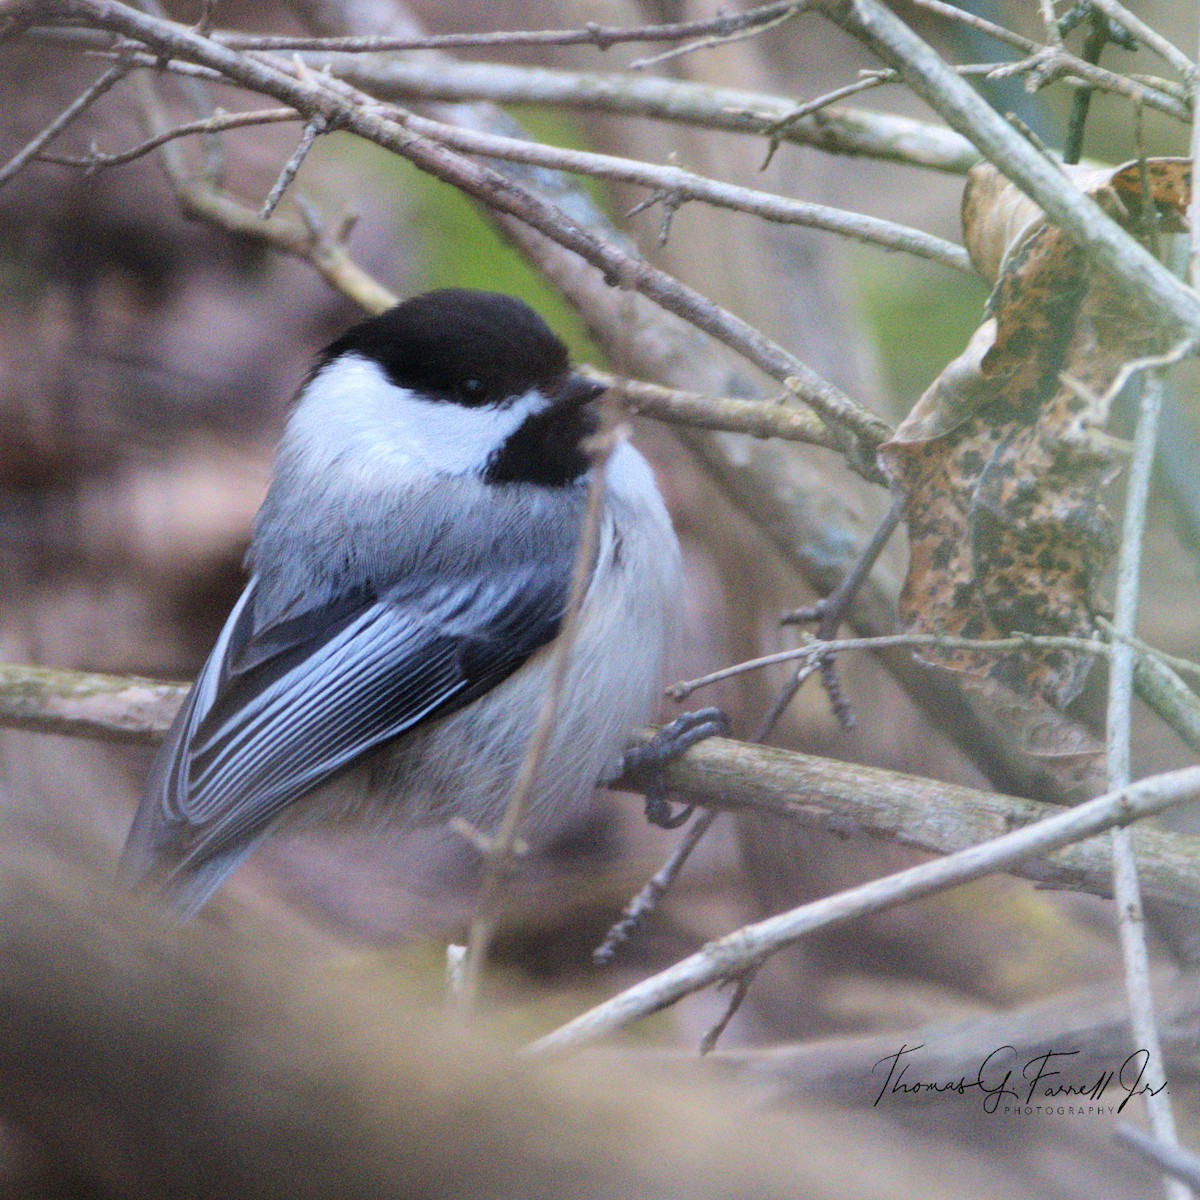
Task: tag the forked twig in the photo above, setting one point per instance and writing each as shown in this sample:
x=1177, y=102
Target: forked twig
x=80, y=104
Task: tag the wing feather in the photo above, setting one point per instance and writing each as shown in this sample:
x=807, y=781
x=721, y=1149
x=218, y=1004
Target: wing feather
x=278, y=710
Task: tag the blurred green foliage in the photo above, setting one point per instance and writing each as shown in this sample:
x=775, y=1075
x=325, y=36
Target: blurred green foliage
x=460, y=248
x=920, y=316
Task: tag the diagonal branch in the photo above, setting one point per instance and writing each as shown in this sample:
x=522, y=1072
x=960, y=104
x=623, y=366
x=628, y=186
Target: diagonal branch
x=80, y=104
x=620, y=267
x=966, y=111
x=681, y=186
x=753, y=944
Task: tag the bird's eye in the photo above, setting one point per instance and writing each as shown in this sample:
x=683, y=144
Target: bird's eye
x=471, y=390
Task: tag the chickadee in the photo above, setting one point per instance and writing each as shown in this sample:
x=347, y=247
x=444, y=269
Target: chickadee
x=408, y=571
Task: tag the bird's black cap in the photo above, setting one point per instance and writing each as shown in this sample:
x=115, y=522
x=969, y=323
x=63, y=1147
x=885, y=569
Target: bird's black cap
x=459, y=345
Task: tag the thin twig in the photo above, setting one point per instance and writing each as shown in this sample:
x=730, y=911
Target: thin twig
x=719, y=39
x=1185, y=666
x=592, y=34
x=753, y=944
x=1172, y=1160
x=313, y=128
x=814, y=650
x=683, y=186
x=647, y=898
x=741, y=989
x=1126, y=888
x=963, y=17
x=80, y=104
x=136, y=57
x=500, y=858
x=201, y=198
x=1052, y=64
x=98, y=160
x=1054, y=59
x=832, y=610
x=868, y=80
x=782, y=418
x=1149, y=37
x=1168, y=87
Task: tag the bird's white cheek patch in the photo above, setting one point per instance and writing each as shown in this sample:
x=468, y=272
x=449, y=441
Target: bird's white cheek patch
x=352, y=413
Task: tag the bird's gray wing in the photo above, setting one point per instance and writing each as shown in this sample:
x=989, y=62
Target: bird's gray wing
x=277, y=711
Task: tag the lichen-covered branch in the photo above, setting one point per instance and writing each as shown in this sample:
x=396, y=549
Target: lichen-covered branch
x=110, y=707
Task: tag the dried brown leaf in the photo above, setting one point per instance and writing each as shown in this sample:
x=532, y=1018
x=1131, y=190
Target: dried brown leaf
x=1000, y=460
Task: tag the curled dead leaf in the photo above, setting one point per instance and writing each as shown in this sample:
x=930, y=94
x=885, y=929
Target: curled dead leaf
x=1002, y=460
x=997, y=216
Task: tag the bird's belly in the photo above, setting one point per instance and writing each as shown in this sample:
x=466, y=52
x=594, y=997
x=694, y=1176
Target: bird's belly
x=466, y=765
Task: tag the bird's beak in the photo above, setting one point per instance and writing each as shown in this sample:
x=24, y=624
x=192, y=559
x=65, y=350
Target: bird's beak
x=576, y=390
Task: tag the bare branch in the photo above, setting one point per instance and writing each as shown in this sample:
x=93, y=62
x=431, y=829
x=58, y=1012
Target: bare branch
x=1079, y=217
x=602, y=37
x=113, y=708
x=97, y=160
x=203, y=199
x=313, y=128
x=1169, y=697
x=317, y=96
x=682, y=186
x=782, y=418
x=717, y=39
x=1053, y=61
x=1051, y=64
x=501, y=856
x=720, y=774
x=727, y=775
x=848, y=131
x=963, y=17
x=1126, y=886
x=752, y=944
x=79, y=105
x=656, y=887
